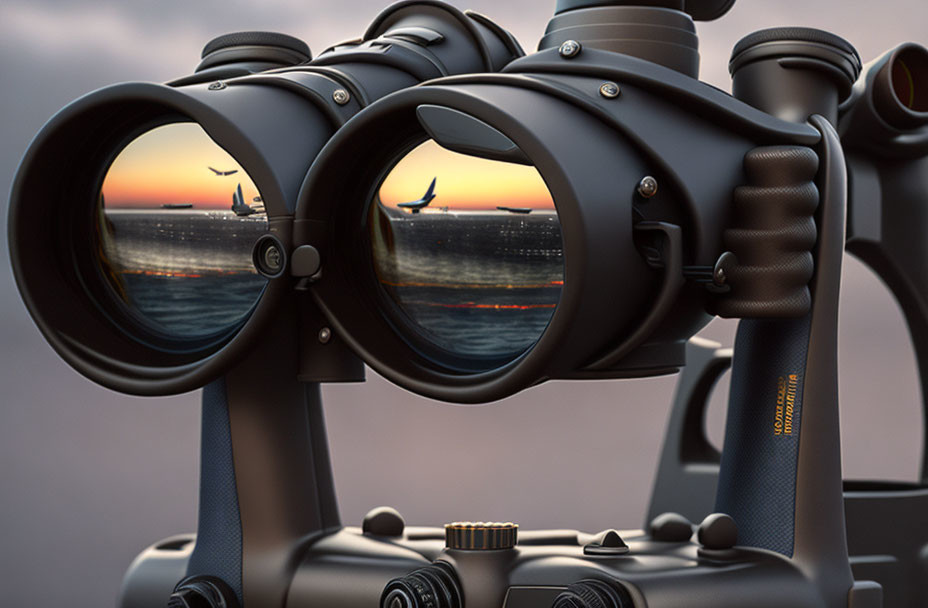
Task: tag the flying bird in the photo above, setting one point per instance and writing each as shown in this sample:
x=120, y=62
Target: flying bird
x=222, y=173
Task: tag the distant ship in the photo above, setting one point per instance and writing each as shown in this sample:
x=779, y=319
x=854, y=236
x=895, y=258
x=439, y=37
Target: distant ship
x=239, y=206
x=422, y=203
x=522, y=210
x=177, y=206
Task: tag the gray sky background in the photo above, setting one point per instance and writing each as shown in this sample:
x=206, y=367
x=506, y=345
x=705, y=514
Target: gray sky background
x=89, y=477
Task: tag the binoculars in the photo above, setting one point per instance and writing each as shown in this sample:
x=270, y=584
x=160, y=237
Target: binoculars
x=471, y=221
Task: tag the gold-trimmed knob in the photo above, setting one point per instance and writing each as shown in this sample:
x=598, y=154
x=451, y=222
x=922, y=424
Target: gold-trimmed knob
x=481, y=536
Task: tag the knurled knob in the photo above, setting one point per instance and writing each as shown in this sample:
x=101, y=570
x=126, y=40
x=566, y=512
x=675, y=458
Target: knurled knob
x=481, y=536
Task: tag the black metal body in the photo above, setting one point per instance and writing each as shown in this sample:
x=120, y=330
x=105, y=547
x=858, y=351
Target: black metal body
x=750, y=221
x=274, y=122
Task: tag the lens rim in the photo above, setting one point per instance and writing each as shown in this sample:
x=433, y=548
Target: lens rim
x=79, y=143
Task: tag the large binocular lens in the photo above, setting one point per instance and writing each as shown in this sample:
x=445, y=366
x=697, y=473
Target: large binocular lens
x=475, y=266
x=151, y=225
x=178, y=218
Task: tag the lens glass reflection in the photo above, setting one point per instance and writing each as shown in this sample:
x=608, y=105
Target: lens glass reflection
x=177, y=219
x=469, y=249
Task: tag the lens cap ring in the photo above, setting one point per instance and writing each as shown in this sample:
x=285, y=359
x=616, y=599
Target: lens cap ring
x=271, y=39
x=799, y=42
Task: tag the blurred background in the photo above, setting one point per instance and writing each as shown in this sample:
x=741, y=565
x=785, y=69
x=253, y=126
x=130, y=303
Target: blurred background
x=89, y=477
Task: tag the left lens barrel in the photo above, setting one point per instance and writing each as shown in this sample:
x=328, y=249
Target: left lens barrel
x=133, y=221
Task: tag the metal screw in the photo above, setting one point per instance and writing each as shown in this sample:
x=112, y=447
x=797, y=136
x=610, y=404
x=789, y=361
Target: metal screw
x=341, y=96
x=647, y=187
x=273, y=258
x=610, y=90
x=325, y=334
x=216, y=86
x=570, y=49
x=720, y=276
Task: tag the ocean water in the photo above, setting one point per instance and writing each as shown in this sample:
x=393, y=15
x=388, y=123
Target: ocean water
x=477, y=284
x=185, y=273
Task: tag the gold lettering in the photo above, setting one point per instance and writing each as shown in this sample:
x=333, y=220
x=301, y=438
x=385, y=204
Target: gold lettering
x=787, y=393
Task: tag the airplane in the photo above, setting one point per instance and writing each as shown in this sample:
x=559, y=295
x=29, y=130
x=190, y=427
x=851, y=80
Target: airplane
x=222, y=173
x=238, y=204
x=422, y=203
x=521, y=210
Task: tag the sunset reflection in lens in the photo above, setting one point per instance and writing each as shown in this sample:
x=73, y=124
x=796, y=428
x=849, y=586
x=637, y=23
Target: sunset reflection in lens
x=177, y=218
x=469, y=250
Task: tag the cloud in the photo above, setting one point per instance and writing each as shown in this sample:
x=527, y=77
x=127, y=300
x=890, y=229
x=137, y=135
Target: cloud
x=104, y=30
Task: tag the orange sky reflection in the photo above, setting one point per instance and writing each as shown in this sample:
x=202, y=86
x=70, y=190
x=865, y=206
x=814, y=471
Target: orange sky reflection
x=464, y=182
x=170, y=165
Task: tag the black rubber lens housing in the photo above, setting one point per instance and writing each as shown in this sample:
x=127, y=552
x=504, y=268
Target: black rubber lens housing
x=597, y=262
x=626, y=307
x=52, y=224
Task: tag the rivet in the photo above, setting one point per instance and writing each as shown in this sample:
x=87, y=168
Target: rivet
x=570, y=49
x=216, y=86
x=325, y=334
x=610, y=90
x=341, y=96
x=647, y=187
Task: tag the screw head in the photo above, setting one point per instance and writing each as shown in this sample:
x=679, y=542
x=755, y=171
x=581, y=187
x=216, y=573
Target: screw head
x=647, y=187
x=273, y=259
x=216, y=86
x=570, y=49
x=325, y=334
x=341, y=97
x=610, y=90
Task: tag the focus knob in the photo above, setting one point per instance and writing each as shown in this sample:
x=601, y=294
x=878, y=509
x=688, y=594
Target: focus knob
x=481, y=536
x=594, y=593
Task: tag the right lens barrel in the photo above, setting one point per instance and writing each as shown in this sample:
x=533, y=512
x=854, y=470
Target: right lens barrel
x=496, y=231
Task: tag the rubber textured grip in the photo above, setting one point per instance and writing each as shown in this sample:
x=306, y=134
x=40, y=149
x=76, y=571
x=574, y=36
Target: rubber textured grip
x=757, y=479
x=773, y=235
x=218, y=550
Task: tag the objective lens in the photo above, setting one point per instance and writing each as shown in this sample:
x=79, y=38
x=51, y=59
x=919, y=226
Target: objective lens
x=469, y=250
x=177, y=219
x=910, y=79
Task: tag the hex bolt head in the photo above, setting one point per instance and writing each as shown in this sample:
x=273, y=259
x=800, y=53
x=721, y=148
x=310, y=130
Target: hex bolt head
x=647, y=187
x=325, y=335
x=570, y=49
x=610, y=90
x=341, y=96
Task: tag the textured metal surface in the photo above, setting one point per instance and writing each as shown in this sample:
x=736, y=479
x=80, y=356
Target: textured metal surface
x=773, y=235
x=218, y=551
